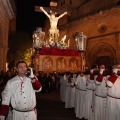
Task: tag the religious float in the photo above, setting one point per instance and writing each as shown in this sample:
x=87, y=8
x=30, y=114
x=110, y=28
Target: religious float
x=54, y=54
x=56, y=59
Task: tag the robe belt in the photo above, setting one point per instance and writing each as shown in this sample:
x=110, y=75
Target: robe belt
x=113, y=97
x=81, y=89
x=25, y=111
x=101, y=96
x=90, y=89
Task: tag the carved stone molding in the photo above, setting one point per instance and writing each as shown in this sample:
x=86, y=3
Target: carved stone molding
x=57, y=63
x=102, y=27
x=101, y=49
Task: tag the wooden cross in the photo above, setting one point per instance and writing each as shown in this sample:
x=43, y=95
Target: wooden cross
x=53, y=9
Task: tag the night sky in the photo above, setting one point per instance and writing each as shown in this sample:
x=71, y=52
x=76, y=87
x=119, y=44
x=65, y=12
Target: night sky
x=27, y=19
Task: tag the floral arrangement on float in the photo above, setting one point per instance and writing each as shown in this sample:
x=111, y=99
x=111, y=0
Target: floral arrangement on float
x=51, y=46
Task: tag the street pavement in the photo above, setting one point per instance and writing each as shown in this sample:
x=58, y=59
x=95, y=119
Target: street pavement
x=50, y=107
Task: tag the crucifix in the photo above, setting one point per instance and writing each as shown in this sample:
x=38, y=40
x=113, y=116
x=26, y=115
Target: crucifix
x=50, y=13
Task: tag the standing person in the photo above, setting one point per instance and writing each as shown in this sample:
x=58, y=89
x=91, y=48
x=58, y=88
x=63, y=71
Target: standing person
x=100, y=95
x=113, y=98
x=81, y=87
x=77, y=84
x=20, y=93
x=48, y=82
x=62, y=88
x=72, y=93
x=68, y=90
x=57, y=81
x=88, y=104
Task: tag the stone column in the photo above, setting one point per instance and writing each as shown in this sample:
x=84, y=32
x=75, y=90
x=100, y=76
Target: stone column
x=117, y=49
x=3, y=54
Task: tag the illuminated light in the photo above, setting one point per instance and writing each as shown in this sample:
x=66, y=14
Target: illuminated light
x=81, y=41
x=53, y=3
x=6, y=66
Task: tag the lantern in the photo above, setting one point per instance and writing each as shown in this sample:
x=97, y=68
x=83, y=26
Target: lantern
x=81, y=41
x=38, y=38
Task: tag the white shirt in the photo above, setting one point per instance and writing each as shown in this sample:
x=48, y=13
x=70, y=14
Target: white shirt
x=22, y=97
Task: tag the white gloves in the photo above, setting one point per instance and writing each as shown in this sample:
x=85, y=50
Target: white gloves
x=115, y=70
x=91, y=71
x=2, y=117
x=31, y=73
x=101, y=71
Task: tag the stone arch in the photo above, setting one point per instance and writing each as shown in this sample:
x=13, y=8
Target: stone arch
x=106, y=60
x=47, y=63
x=102, y=51
x=60, y=64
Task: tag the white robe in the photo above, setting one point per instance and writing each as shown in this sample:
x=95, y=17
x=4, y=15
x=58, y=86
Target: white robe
x=22, y=98
x=93, y=99
x=76, y=101
x=72, y=93
x=113, y=104
x=77, y=108
x=64, y=88
x=10, y=114
x=88, y=113
x=81, y=97
x=67, y=94
x=100, y=100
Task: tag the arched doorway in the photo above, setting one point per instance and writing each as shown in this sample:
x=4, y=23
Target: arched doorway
x=102, y=53
x=106, y=60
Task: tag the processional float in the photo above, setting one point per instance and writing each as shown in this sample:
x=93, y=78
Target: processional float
x=54, y=54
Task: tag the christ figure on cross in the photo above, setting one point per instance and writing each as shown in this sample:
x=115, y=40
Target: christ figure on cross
x=53, y=22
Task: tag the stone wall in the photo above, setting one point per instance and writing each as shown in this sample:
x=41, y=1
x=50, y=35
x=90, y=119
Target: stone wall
x=3, y=39
x=5, y=17
x=102, y=30
x=100, y=23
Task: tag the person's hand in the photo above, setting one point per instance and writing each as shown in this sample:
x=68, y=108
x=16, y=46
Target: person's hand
x=31, y=73
x=41, y=8
x=2, y=117
x=91, y=71
x=65, y=12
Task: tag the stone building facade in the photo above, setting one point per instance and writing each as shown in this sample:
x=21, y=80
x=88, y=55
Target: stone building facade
x=7, y=25
x=100, y=23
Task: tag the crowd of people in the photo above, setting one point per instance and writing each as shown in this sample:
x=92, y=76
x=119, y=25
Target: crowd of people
x=49, y=81
x=4, y=77
x=93, y=95
x=18, y=94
